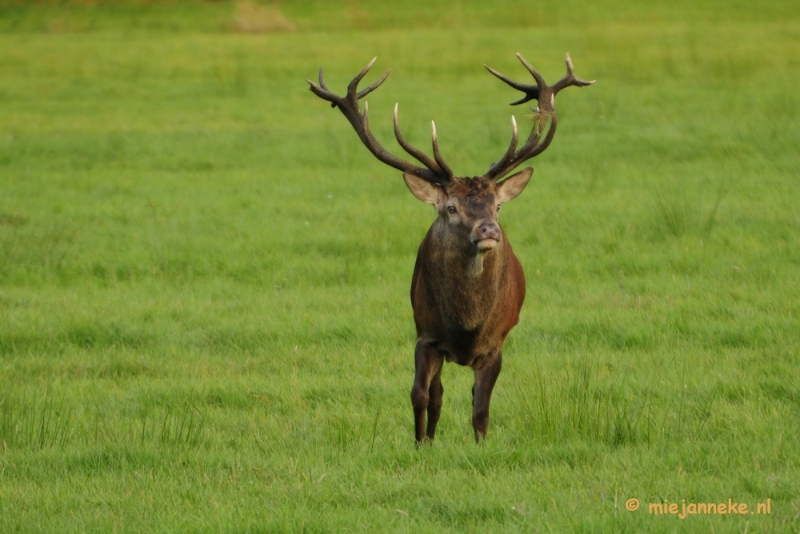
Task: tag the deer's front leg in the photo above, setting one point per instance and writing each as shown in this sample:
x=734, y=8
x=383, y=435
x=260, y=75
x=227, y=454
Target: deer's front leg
x=435, y=392
x=428, y=373
x=485, y=378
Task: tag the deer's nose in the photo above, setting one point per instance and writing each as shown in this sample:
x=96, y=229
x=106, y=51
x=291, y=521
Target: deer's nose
x=488, y=230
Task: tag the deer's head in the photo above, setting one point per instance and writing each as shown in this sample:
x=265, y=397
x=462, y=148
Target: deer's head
x=468, y=207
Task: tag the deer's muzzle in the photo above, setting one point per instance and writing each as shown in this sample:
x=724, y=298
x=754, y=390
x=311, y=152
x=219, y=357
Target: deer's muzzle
x=485, y=235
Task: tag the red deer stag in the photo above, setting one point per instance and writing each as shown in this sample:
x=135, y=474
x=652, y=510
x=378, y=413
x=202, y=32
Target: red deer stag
x=468, y=285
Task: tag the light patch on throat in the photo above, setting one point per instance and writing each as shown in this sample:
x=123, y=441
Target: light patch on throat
x=475, y=267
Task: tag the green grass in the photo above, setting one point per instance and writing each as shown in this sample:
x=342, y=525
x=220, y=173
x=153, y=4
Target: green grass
x=204, y=316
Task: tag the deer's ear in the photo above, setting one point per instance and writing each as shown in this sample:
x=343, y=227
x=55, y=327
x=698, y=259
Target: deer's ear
x=512, y=186
x=423, y=189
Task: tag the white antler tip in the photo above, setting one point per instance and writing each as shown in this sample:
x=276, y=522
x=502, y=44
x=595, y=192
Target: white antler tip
x=433, y=130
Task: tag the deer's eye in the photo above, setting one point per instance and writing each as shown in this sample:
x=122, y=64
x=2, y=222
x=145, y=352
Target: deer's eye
x=451, y=209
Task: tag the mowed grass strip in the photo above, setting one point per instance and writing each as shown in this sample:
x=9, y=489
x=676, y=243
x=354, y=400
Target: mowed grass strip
x=204, y=316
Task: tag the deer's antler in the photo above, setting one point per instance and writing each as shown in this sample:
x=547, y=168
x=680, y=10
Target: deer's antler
x=435, y=170
x=544, y=117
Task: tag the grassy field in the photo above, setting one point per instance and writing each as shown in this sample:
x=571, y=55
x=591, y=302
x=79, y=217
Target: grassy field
x=204, y=315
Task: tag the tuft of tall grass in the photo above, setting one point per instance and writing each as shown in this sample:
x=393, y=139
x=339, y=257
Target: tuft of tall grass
x=181, y=426
x=177, y=424
x=677, y=213
x=581, y=407
x=34, y=423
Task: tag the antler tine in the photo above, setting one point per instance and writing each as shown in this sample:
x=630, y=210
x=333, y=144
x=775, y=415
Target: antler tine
x=321, y=79
x=353, y=85
x=531, y=91
x=322, y=90
x=435, y=172
x=570, y=78
x=352, y=88
x=368, y=90
x=437, y=155
x=421, y=156
x=535, y=73
x=512, y=147
x=365, y=119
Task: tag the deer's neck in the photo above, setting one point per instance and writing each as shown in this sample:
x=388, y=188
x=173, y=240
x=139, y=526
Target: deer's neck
x=467, y=284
